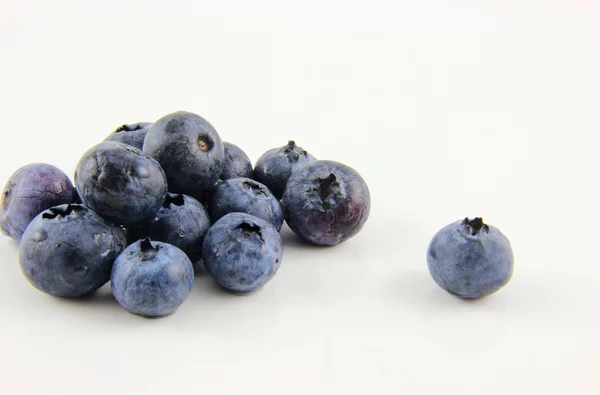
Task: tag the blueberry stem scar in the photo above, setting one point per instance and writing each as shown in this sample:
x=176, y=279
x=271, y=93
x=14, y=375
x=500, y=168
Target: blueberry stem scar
x=204, y=143
x=256, y=189
x=475, y=225
x=325, y=184
x=128, y=128
x=247, y=228
x=290, y=151
x=147, y=251
x=173, y=198
x=57, y=211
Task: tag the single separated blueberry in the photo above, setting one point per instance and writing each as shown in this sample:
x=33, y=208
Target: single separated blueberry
x=276, y=165
x=69, y=250
x=132, y=134
x=470, y=259
x=242, y=252
x=246, y=196
x=326, y=202
x=181, y=221
x=190, y=151
x=121, y=183
x=29, y=191
x=151, y=279
x=236, y=163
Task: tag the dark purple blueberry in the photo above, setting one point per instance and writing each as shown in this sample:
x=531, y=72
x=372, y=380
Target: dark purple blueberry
x=69, y=250
x=246, y=196
x=29, y=191
x=190, y=151
x=132, y=134
x=181, y=221
x=276, y=165
x=326, y=202
x=236, y=164
x=121, y=183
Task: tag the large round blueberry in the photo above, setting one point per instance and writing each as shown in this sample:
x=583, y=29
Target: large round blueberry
x=246, y=196
x=121, y=183
x=242, y=252
x=29, y=191
x=470, y=259
x=190, y=151
x=132, y=134
x=69, y=250
x=326, y=202
x=236, y=163
x=181, y=221
x=151, y=279
x=276, y=165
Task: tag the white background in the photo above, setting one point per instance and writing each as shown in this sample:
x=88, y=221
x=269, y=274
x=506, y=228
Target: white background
x=447, y=108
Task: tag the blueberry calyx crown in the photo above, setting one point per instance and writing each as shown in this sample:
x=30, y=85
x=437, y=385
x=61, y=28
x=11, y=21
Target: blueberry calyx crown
x=173, y=198
x=475, y=225
x=325, y=184
x=128, y=128
x=58, y=211
x=147, y=250
x=254, y=187
x=292, y=151
x=247, y=229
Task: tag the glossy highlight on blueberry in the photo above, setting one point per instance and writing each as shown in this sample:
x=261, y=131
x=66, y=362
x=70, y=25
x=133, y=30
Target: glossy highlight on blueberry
x=275, y=166
x=151, y=278
x=470, y=259
x=69, y=250
x=29, y=191
x=242, y=252
x=326, y=202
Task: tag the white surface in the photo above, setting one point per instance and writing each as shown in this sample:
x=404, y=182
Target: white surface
x=447, y=108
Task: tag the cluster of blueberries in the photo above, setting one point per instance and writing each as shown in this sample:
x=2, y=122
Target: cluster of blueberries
x=154, y=200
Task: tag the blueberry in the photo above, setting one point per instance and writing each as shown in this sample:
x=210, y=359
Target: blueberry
x=276, y=165
x=151, y=279
x=326, y=202
x=242, y=252
x=132, y=134
x=246, y=196
x=236, y=164
x=121, y=183
x=69, y=250
x=181, y=221
x=29, y=191
x=190, y=151
x=470, y=259
x=76, y=197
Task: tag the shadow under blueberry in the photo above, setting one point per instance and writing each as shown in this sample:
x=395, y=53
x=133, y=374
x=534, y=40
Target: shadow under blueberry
x=290, y=239
x=418, y=290
x=200, y=270
x=206, y=285
x=103, y=296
